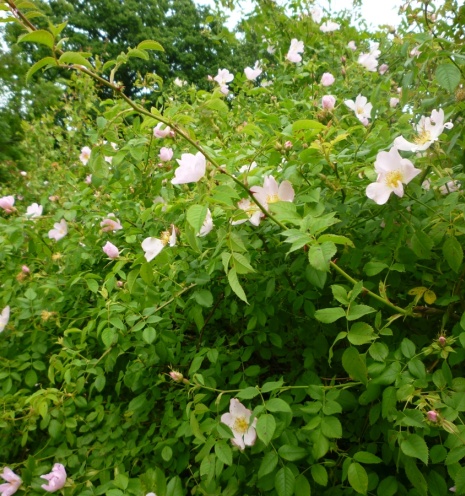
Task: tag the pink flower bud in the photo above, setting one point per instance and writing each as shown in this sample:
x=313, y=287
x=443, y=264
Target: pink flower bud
x=111, y=250
x=383, y=68
x=288, y=145
x=26, y=269
x=432, y=416
x=165, y=154
x=352, y=45
x=176, y=376
x=442, y=341
x=120, y=284
x=328, y=102
x=327, y=79
x=393, y=102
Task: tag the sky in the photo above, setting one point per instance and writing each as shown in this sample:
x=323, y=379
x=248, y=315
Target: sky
x=375, y=12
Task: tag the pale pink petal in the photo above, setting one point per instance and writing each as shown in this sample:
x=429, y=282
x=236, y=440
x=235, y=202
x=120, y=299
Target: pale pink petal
x=378, y=192
x=228, y=419
x=250, y=437
x=286, y=191
x=152, y=247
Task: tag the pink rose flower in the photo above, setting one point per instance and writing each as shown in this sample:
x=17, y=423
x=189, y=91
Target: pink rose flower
x=56, y=478
x=327, y=79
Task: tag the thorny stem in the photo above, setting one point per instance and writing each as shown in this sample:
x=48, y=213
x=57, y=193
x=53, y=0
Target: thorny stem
x=141, y=110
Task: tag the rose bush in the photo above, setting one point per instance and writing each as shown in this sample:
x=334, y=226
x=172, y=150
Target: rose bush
x=254, y=247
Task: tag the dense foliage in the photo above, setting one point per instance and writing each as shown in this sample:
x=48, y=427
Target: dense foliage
x=272, y=249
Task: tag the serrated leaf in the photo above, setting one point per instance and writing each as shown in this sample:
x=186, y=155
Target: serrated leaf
x=74, y=58
x=140, y=54
x=216, y=104
x=307, y=124
x=266, y=425
x=248, y=393
x=448, y=76
x=269, y=463
x=319, y=256
x=319, y=474
x=278, y=405
x=236, y=286
x=45, y=62
x=150, y=45
x=329, y=315
x=422, y=244
x=195, y=215
x=149, y=334
x=415, y=447
x=223, y=452
x=292, y=453
x=331, y=427
x=415, y=476
x=302, y=486
x=108, y=336
x=39, y=36
x=358, y=478
x=459, y=480
x=203, y=297
x=373, y=268
x=360, y=333
x=357, y=311
x=336, y=239
x=354, y=364
x=284, y=482
x=366, y=457
x=453, y=253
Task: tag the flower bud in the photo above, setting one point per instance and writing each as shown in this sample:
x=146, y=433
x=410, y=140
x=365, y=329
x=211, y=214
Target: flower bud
x=26, y=269
x=432, y=416
x=442, y=341
x=176, y=376
x=288, y=145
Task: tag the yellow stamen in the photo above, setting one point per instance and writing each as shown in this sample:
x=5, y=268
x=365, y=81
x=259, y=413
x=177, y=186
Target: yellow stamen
x=165, y=237
x=393, y=179
x=423, y=138
x=241, y=425
x=272, y=199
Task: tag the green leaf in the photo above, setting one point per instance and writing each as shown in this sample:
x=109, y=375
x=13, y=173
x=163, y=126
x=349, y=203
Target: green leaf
x=278, y=405
x=422, y=244
x=307, y=124
x=236, y=286
x=108, y=336
x=292, y=453
x=149, y=334
x=316, y=277
x=387, y=487
x=266, y=425
x=150, y=45
x=354, y=365
x=336, y=239
x=459, y=480
x=223, y=452
x=146, y=273
x=203, y=297
x=302, y=486
x=195, y=215
x=453, y=253
x=415, y=446
x=45, y=62
x=366, y=457
x=319, y=256
x=174, y=487
x=358, y=478
x=360, y=333
x=269, y=463
x=271, y=386
x=415, y=476
x=74, y=58
x=284, y=482
x=373, y=268
x=329, y=315
x=216, y=104
x=448, y=76
x=39, y=36
x=319, y=474
x=248, y=393
x=357, y=311
x=140, y=54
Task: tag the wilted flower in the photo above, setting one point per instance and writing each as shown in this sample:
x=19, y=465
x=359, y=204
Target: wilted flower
x=432, y=416
x=329, y=26
x=191, y=168
x=361, y=107
x=295, y=49
x=393, y=102
x=415, y=52
x=158, y=132
x=252, y=74
x=165, y=154
x=223, y=78
x=428, y=131
x=7, y=202
x=370, y=60
x=271, y=192
x=316, y=14
x=238, y=420
x=4, y=318
x=59, y=231
x=383, y=69
x=153, y=246
x=110, y=250
x=247, y=168
x=328, y=102
x=352, y=45
x=12, y=484
x=56, y=478
x=34, y=211
x=426, y=184
x=449, y=187
x=110, y=224
x=271, y=49
x=85, y=155
x=393, y=171
x=327, y=79
x=207, y=225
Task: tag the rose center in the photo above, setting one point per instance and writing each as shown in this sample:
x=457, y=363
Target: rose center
x=393, y=179
x=423, y=138
x=241, y=425
x=165, y=237
x=272, y=199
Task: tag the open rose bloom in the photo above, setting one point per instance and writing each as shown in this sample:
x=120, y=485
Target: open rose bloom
x=56, y=478
x=393, y=172
x=12, y=482
x=153, y=246
x=238, y=420
x=296, y=48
